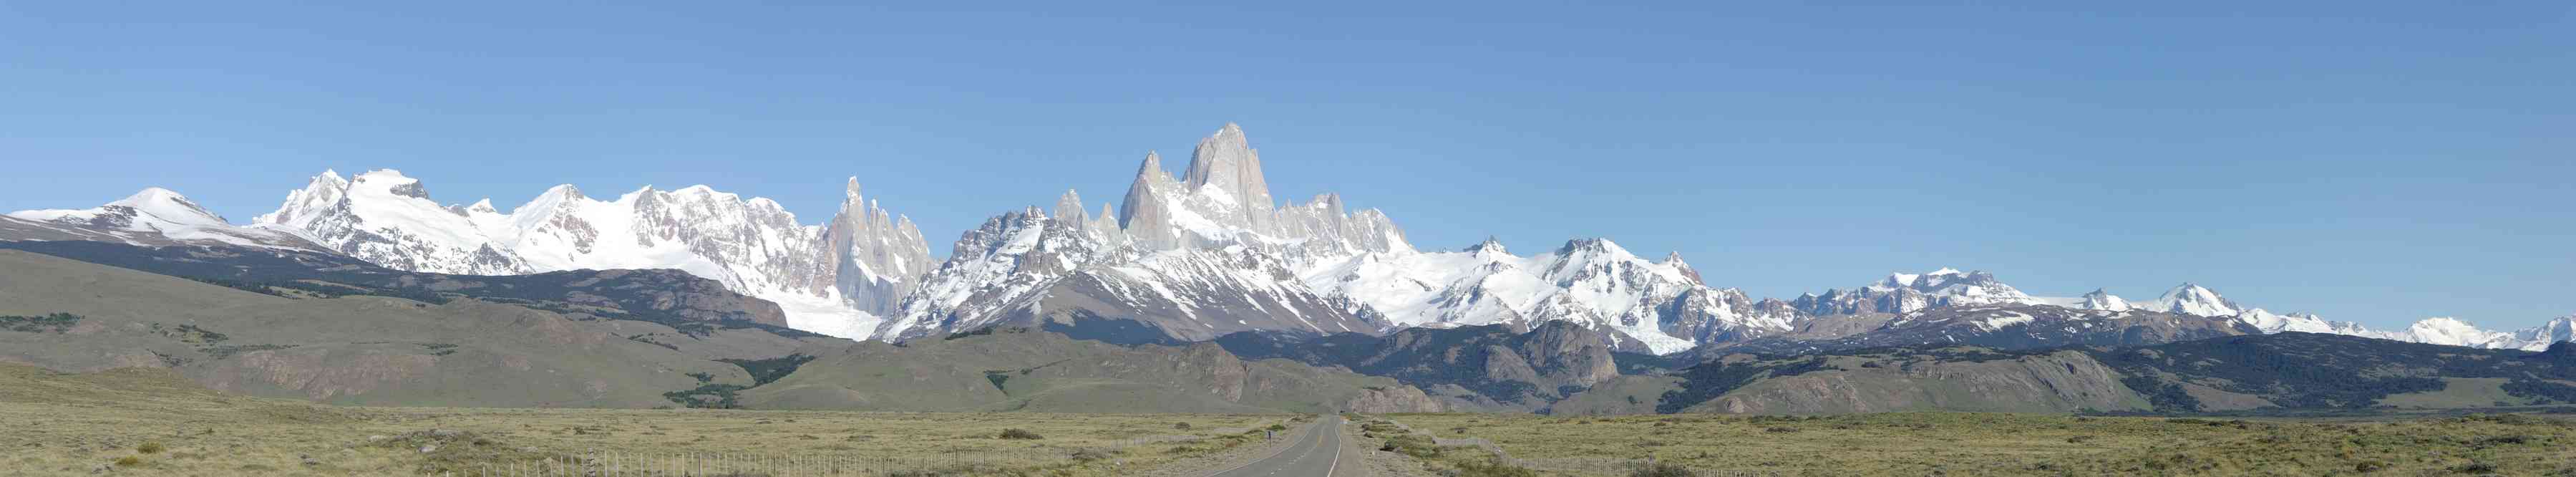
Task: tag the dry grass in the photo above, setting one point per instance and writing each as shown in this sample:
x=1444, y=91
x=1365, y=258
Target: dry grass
x=142, y=424
x=2017, y=444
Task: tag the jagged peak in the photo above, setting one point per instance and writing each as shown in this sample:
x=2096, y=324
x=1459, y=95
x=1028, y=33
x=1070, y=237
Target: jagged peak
x=1491, y=244
x=1674, y=260
x=1595, y=244
x=392, y=182
x=1153, y=166
x=850, y=192
x=1069, y=206
x=1226, y=162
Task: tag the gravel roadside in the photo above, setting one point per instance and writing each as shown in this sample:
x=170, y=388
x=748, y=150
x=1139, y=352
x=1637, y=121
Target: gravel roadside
x=1226, y=459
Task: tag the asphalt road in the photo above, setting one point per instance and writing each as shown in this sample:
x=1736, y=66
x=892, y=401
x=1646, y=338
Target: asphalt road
x=1317, y=453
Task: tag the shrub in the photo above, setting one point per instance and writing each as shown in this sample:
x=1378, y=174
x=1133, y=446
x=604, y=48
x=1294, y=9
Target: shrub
x=1278, y=427
x=1494, y=467
x=2079, y=439
x=1181, y=426
x=1414, y=445
x=156, y=448
x=1089, y=455
x=129, y=461
x=1016, y=433
x=1780, y=429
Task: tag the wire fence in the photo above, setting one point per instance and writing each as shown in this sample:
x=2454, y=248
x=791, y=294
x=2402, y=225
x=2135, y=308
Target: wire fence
x=619, y=463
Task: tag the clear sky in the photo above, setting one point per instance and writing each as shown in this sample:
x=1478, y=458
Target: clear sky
x=2371, y=161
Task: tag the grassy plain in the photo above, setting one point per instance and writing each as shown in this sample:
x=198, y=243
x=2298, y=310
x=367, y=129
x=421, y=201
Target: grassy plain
x=151, y=422
x=2009, y=444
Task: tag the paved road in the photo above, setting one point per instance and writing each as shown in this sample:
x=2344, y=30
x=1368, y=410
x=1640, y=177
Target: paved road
x=1316, y=453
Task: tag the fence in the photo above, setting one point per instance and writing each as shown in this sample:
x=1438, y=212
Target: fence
x=614, y=463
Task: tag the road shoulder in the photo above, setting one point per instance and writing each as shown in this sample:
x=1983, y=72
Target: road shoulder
x=1361, y=457
x=1229, y=458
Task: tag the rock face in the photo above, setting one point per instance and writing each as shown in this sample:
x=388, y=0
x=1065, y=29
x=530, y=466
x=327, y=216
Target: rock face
x=1385, y=400
x=834, y=278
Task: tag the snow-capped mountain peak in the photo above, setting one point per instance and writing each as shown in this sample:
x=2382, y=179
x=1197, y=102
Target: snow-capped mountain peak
x=2099, y=299
x=1674, y=260
x=157, y=216
x=2276, y=323
x=832, y=278
x=1902, y=293
x=2193, y=299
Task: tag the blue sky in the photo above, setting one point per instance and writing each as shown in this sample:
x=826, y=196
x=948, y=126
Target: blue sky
x=2370, y=161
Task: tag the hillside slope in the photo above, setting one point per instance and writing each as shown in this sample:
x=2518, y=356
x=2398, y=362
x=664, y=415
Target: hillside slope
x=73, y=316
x=1018, y=369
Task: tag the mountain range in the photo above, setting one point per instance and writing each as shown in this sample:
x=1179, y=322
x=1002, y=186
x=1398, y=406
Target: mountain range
x=1193, y=257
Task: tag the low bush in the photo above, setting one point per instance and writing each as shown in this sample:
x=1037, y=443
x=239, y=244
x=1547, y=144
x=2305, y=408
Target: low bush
x=1494, y=467
x=1416, y=445
x=1089, y=455
x=1016, y=433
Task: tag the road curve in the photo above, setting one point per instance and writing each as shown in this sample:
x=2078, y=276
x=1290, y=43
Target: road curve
x=1316, y=453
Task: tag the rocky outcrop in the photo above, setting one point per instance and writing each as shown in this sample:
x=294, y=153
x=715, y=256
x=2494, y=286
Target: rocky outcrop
x=2064, y=381
x=1397, y=399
